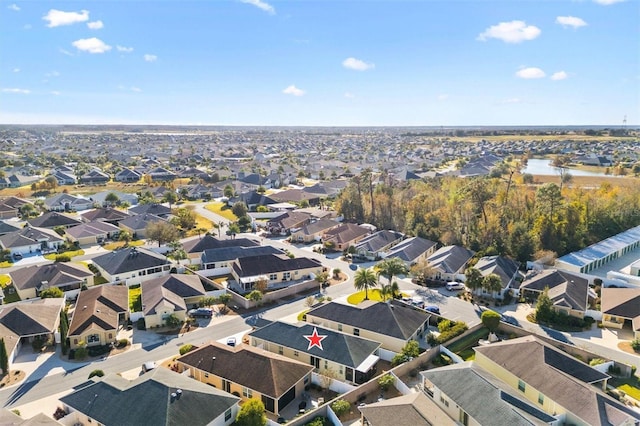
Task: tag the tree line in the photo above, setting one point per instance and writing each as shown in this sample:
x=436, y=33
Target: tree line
x=492, y=215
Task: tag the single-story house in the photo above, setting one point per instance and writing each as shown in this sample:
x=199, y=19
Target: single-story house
x=570, y=293
x=64, y=177
x=98, y=314
x=414, y=409
x=22, y=322
x=66, y=202
x=344, y=235
x=128, y=175
x=287, y=223
x=344, y=357
x=277, y=270
x=160, y=397
x=95, y=177
x=30, y=280
x=169, y=295
x=373, y=245
x=108, y=215
x=197, y=245
x=30, y=240
x=296, y=196
x=137, y=224
x=160, y=174
x=506, y=269
x=313, y=231
x=10, y=207
x=412, y=250
x=53, y=220
x=123, y=197
x=132, y=265
x=449, y=262
x=392, y=324
x=92, y=233
x=7, y=228
x=218, y=261
x=248, y=373
x=620, y=307
x=152, y=209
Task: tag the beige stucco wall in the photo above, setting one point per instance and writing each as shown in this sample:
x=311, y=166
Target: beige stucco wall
x=133, y=277
x=156, y=320
x=105, y=337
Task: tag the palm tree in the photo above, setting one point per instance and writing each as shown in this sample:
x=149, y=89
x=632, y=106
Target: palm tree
x=473, y=279
x=365, y=279
x=391, y=267
x=492, y=283
x=389, y=291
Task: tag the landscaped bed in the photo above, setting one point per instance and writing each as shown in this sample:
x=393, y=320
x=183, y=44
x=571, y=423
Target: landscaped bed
x=468, y=341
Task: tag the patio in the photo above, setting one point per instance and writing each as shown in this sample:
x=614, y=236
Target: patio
x=313, y=398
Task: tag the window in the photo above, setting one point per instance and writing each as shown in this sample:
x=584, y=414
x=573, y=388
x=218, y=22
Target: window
x=521, y=386
x=206, y=375
x=339, y=327
x=93, y=338
x=444, y=401
x=295, y=353
x=326, y=364
x=227, y=415
x=280, y=350
x=286, y=276
x=247, y=393
x=356, y=331
x=540, y=399
x=273, y=277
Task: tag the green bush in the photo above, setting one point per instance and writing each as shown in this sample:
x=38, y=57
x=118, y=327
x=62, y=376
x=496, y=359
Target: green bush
x=319, y=421
x=62, y=258
x=98, y=373
x=635, y=345
x=596, y=361
x=123, y=343
x=341, y=407
x=81, y=353
x=455, y=330
x=386, y=381
x=186, y=348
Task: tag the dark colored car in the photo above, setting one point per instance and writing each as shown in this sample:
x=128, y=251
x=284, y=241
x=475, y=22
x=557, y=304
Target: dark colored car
x=432, y=308
x=201, y=313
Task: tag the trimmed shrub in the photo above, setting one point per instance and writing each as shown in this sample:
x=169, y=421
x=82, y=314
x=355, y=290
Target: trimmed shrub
x=341, y=407
x=123, y=343
x=186, y=348
x=96, y=373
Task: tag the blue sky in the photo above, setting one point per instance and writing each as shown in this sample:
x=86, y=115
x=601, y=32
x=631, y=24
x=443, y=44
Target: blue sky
x=326, y=63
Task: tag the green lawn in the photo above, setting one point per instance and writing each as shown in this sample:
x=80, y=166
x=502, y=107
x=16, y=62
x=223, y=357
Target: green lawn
x=5, y=280
x=116, y=245
x=221, y=209
x=97, y=280
x=302, y=314
x=468, y=341
x=135, y=298
x=467, y=354
x=10, y=296
x=630, y=386
x=374, y=294
x=72, y=253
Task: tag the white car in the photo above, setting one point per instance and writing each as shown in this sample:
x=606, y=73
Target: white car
x=454, y=285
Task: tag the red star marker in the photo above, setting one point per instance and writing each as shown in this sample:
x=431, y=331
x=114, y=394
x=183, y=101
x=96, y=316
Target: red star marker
x=315, y=339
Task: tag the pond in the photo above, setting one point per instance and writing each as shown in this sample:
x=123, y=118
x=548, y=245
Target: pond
x=542, y=166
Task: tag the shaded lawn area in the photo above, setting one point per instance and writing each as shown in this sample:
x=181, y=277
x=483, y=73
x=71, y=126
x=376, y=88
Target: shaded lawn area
x=468, y=341
x=99, y=279
x=10, y=296
x=374, y=294
x=467, y=354
x=221, y=209
x=135, y=298
x=629, y=385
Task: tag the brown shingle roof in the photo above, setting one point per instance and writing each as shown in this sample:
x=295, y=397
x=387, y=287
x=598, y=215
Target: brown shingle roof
x=99, y=306
x=34, y=318
x=621, y=302
x=239, y=364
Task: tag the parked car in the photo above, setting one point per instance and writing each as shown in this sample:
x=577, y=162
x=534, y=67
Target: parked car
x=454, y=285
x=433, y=309
x=201, y=313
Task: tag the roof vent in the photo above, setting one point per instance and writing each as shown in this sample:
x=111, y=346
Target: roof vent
x=84, y=307
x=178, y=393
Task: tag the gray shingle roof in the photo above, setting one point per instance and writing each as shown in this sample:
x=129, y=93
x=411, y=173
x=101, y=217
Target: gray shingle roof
x=503, y=267
x=414, y=409
x=29, y=236
x=53, y=219
x=198, y=245
x=318, y=226
x=171, y=290
x=129, y=259
x=339, y=347
x=240, y=364
x=147, y=400
x=483, y=397
x=55, y=274
x=106, y=215
x=450, y=259
x=153, y=209
x=33, y=318
x=140, y=221
x=99, y=306
x=378, y=240
x=271, y=264
x=621, y=302
x=565, y=289
x=232, y=253
x=558, y=376
x=411, y=248
x=393, y=319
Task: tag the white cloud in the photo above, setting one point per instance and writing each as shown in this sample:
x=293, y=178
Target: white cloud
x=349, y=95
x=16, y=70
x=357, y=64
x=14, y=7
x=570, y=21
x=510, y=32
x=293, y=90
x=608, y=2
x=16, y=90
x=136, y=89
x=443, y=97
x=58, y=18
x=150, y=58
x=124, y=49
x=95, y=25
x=65, y=52
x=55, y=92
x=531, y=72
x=560, y=75
x=261, y=5
x=91, y=45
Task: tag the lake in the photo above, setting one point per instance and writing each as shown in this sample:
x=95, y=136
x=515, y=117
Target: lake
x=542, y=166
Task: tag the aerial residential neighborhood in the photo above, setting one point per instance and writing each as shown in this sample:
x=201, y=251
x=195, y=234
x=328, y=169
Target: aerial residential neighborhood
x=350, y=291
